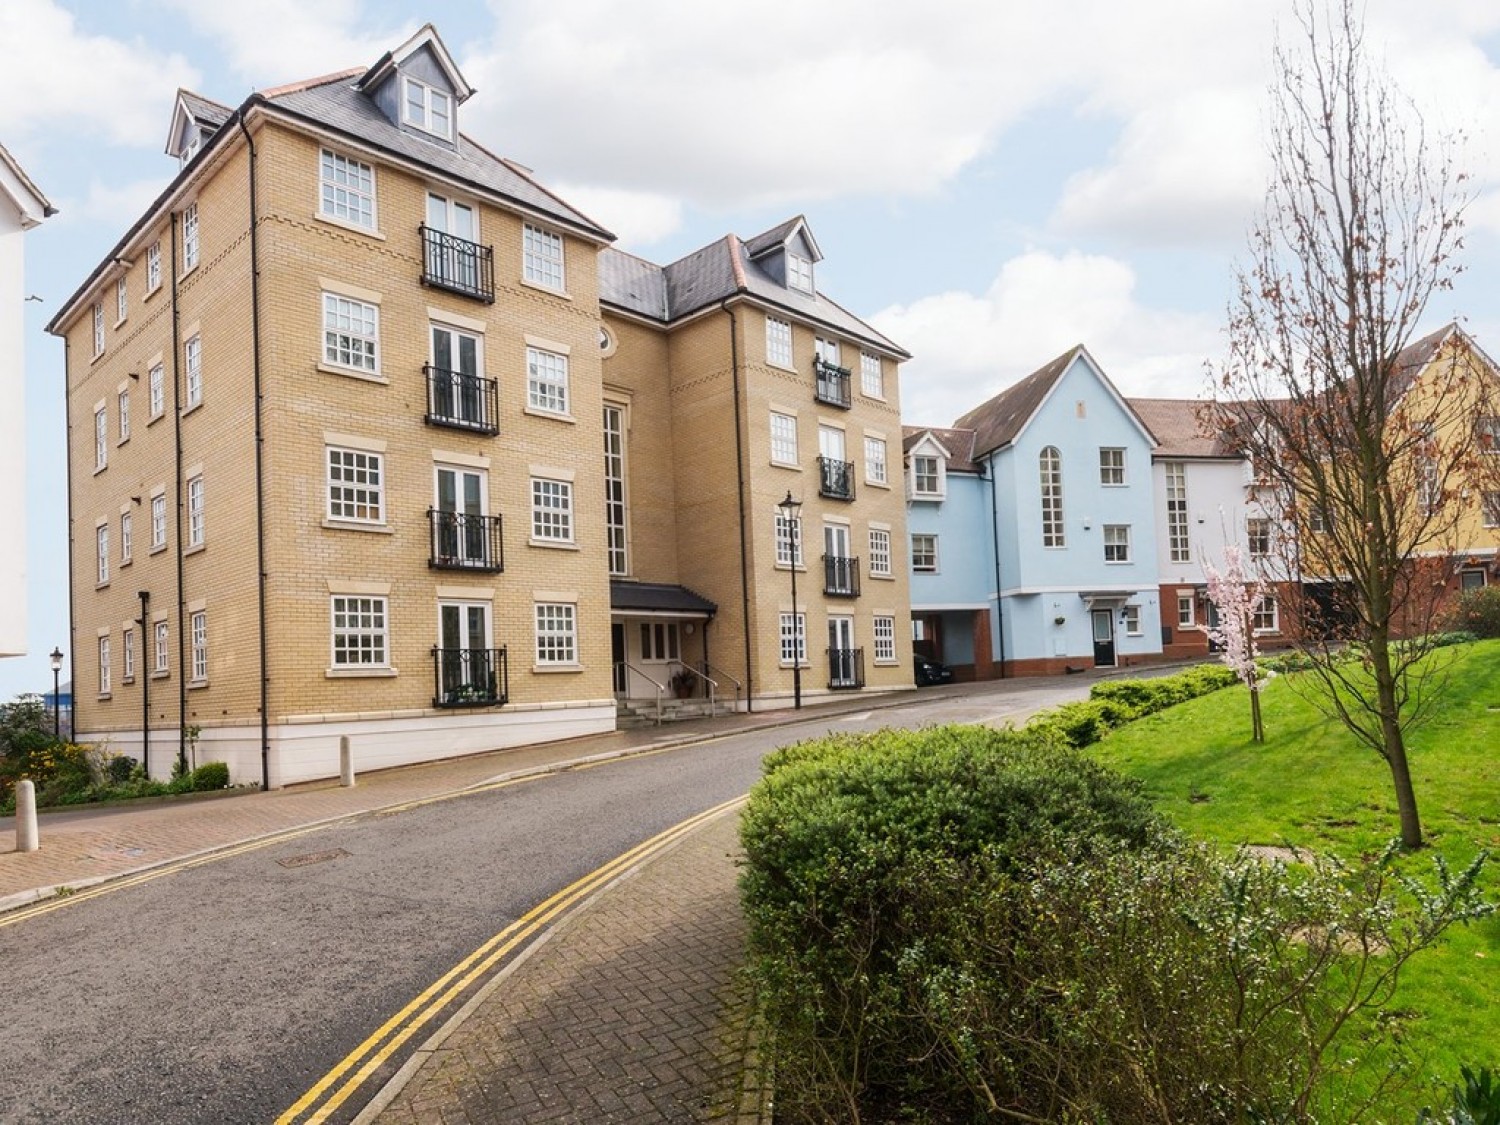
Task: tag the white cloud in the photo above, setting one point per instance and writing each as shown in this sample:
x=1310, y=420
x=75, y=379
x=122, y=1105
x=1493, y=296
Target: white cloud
x=58, y=80
x=968, y=347
x=114, y=206
x=637, y=218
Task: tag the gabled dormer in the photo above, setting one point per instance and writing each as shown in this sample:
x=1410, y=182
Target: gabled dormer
x=927, y=468
x=419, y=88
x=195, y=120
x=787, y=253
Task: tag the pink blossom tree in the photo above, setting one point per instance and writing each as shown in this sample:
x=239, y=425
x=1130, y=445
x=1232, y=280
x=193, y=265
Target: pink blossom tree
x=1234, y=597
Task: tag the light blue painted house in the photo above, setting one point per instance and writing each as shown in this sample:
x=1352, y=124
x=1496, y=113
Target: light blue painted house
x=1042, y=495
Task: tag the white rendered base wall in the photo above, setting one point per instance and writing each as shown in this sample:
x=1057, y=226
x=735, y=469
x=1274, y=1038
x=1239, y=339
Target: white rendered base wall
x=308, y=749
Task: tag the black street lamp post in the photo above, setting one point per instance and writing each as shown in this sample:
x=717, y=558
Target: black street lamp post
x=57, y=663
x=794, y=537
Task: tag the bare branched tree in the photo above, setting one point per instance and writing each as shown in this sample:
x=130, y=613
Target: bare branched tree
x=1361, y=436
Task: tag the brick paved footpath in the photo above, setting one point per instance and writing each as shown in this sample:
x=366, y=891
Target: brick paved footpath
x=632, y=1011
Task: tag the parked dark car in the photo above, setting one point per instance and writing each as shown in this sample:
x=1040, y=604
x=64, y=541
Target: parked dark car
x=929, y=672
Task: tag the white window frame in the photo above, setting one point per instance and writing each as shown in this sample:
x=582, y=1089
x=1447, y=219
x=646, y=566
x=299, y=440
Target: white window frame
x=616, y=490
x=1266, y=609
x=158, y=521
x=1054, y=527
x=788, y=540
x=195, y=513
x=198, y=630
x=1487, y=430
x=543, y=260
x=1258, y=537
x=928, y=478
x=784, y=439
x=793, y=647
x=1179, y=546
x=104, y=669
x=876, y=471
x=425, y=114
x=1489, y=508
x=346, y=190
x=661, y=642
x=547, y=381
x=190, y=237
x=354, y=481
x=1117, y=544
x=351, y=333
x=156, y=391
x=161, y=648
x=153, y=267
x=192, y=362
x=871, y=376
x=127, y=655
x=122, y=300
x=1130, y=620
x=551, y=511
x=1112, y=466
x=880, y=552
x=127, y=538
x=122, y=402
x=924, y=553
x=556, y=633
x=101, y=438
x=1187, y=611
x=98, y=329
x=799, y=273
x=101, y=548
x=779, y=351
x=883, y=632
x=359, y=632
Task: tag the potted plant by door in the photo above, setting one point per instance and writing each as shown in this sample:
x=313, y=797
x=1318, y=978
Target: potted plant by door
x=682, y=683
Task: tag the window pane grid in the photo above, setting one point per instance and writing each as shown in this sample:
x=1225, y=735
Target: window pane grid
x=355, y=486
x=1111, y=466
x=193, y=361
x=199, y=623
x=1177, y=514
x=542, y=257
x=195, y=512
x=783, y=439
x=359, y=632
x=871, y=379
x=348, y=190
x=158, y=521
x=924, y=553
x=885, y=638
x=875, y=460
x=556, y=634
x=547, y=381
x=350, y=332
x=778, y=342
x=1052, y=498
x=1116, y=543
x=794, y=638
x=551, y=510
x=788, y=540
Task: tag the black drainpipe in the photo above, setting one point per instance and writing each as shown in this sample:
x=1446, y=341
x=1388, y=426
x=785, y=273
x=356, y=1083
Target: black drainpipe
x=260, y=439
x=989, y=467
x=177, y=507
x=739, y=470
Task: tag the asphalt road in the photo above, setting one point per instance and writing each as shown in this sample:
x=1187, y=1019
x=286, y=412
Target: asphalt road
x=224, y=991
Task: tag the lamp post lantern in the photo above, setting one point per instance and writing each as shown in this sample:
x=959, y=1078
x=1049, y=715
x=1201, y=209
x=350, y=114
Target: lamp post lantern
x=57, y=663
x=790, y=508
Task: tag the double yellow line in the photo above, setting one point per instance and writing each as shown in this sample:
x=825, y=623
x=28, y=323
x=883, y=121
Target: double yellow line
x=340, y=1083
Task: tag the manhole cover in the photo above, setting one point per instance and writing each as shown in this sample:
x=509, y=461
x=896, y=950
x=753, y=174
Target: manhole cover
x=312, y=857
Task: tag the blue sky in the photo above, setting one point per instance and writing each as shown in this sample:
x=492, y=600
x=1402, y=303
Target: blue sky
x=990, y=183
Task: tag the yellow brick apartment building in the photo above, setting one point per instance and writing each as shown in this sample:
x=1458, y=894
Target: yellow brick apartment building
x=371, y=436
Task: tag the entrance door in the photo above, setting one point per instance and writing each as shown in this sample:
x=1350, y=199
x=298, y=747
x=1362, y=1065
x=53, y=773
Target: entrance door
x=836, y=481
x=842, y=670
x=617, y=655
x=453, y=263
x=464, y=641
x=460, y=526
x=455, y=382
x=1104, y=638
x=837, y=576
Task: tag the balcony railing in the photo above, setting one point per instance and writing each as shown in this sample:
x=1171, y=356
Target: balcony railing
x=462, y=401
x=465, y=542
x=840, y=576
x=458, y=265
x=470, y=677
x=835, y=478
x=846, y=669
x=831, y=383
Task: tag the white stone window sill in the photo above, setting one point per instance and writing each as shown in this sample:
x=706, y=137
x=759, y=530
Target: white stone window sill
x=542, y=669
x=554, y=415
x=563, y=294
x=353, y=373
x=354, y=525
x=372, y=673
x=345, y=224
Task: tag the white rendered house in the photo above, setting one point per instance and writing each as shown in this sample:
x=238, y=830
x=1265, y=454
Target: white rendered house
x=22, y=207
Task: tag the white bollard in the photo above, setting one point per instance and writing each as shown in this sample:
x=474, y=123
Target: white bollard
x=346, y=763
x=26, y=835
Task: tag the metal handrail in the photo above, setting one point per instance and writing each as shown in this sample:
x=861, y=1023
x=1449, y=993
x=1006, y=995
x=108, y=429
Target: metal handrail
x=659, y=687
x=738, y=687
x=712, y=683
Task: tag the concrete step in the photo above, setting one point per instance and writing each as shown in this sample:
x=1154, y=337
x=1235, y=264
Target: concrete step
x=632, y=713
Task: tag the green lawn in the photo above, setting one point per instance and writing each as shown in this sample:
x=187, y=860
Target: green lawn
x=1311, y=785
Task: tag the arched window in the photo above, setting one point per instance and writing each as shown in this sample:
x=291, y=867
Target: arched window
x=1052, y=498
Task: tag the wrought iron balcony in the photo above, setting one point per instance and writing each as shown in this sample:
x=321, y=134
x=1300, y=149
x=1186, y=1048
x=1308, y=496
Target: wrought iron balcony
x=470, y=677
x=465, y=542
x=846, y=669
x=461, y=401
x=458, y=265
x=831, y=383
x=835, y=478
x=840, y=576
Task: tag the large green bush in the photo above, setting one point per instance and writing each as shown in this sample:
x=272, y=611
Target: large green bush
x=1478, y=612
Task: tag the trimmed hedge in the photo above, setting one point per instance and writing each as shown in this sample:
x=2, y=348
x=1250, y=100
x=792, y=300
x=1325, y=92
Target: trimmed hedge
x=1113, y=703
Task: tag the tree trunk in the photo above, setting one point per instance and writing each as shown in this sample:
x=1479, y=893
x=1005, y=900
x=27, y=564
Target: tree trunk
x=1257, y=730
x=1393, y=749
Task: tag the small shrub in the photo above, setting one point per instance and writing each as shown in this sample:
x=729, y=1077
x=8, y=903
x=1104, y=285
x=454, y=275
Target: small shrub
x=119, y=768
x=210, y=776
x=1478, y=612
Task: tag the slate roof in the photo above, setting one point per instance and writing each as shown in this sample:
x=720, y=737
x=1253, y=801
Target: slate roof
x=204, y=110
x=659, y=597
x=1175, y=423
x=334, y=103
x=997, y=422
x=958, y=442
x=713, y=273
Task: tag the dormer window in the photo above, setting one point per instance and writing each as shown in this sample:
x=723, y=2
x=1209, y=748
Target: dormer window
x=926, y=477
x=799, y=273
x=191, y=143
x=428, y=108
